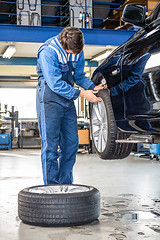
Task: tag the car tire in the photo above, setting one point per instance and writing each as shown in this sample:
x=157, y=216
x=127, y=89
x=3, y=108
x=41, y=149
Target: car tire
x=122, y=150
x=59, y=205
x=104, y=131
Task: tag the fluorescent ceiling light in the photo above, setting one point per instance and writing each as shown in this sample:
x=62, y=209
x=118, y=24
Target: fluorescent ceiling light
x=153, y=61
x=9, y=52
x=34, y=77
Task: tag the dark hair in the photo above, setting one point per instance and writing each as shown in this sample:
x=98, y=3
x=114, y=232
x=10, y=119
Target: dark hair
x=72, y=39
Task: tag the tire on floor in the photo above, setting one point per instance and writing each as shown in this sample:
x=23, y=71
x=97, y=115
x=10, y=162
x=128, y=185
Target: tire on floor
x=59, y=205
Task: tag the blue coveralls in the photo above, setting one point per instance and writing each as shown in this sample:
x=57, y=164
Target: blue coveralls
x=57, y=72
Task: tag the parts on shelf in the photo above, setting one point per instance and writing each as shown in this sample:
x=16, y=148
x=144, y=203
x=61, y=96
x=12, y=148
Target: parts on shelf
x=29, y=134
x=18, y=133
x=76, y=13
x=28, y=12
x=84, y=134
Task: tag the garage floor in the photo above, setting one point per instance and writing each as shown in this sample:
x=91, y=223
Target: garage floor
x=130, y=194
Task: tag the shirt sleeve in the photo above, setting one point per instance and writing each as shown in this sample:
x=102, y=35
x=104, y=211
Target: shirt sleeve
x=52, y=74
x=79, y=74
x=133, y=79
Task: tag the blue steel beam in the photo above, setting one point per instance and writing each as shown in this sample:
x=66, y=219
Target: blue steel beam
x=18, y=78
x=31, y=61
x=18, y=61
x=16, y=33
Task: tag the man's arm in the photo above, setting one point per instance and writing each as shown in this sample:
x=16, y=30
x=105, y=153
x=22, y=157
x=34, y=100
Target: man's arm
x=53, y=76
x=79, y=74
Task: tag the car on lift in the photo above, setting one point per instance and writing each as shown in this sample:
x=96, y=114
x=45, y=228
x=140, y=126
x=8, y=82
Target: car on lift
x=129, y=111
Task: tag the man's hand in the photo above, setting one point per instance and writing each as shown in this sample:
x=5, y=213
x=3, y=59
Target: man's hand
x=90, y=96
x=100, y=86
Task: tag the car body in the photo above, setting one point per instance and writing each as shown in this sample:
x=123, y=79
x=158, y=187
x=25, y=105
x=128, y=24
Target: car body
x=130, y=107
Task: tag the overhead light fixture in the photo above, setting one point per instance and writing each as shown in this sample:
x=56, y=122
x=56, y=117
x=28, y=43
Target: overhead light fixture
x=33, y=77
x=9, y=52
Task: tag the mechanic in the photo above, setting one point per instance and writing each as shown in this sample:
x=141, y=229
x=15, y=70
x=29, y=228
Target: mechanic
x=60, y=64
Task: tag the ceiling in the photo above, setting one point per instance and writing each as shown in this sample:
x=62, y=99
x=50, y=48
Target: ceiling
x=30, y=50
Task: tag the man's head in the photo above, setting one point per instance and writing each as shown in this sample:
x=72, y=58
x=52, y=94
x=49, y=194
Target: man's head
x=72, y=39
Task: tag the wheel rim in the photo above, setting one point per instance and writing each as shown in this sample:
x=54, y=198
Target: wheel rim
x=59, y=189
x=99, y=125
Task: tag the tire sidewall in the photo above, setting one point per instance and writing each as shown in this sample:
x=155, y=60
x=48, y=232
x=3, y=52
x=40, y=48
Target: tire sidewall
x=109, y=113
x=24, y=192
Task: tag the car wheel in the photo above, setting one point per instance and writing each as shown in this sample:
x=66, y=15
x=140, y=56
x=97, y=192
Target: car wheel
x=157, y=158
x=104, y=130
x=59, y=205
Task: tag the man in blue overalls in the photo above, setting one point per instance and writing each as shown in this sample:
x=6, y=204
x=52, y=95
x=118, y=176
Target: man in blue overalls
x=60, y=64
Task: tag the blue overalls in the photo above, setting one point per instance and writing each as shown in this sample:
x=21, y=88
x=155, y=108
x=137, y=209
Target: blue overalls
x=57, y=71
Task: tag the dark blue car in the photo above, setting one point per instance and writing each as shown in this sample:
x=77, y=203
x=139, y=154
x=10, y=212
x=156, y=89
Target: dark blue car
x=130, y=108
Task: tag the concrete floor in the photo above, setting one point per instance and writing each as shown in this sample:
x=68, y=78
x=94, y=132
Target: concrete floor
x=129, y=189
